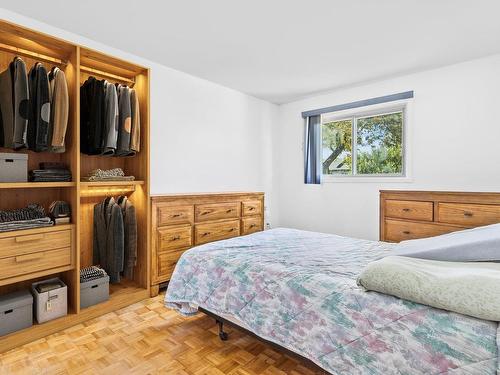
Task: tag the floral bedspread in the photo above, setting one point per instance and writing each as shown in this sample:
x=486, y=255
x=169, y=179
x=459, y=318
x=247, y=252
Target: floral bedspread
x=298, y=289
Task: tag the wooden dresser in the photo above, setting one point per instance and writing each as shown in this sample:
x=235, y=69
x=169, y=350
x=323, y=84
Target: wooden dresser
x=406, y=215
x=182, y=221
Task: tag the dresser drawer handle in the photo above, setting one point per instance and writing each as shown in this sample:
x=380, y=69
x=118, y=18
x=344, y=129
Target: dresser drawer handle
x=406, y=210
x=33, y=237
x=205, y=213
x=232, y=230
x=468, y=214
x=251, y=208
x=253, y=225
x=406, y=232
x=176, y=215
x=175, y=238
x=229, y=211
x=205, y=234
x=29, y=257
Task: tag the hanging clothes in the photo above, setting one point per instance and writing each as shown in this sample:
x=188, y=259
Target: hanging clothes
x=21, y=104
x=135, y=137
x=7, y=109
x=125, y=121
x=92, y=116
x=130, y=236
x=108, y=246
x=111, y=119
x=38, y=123
x=59, y=103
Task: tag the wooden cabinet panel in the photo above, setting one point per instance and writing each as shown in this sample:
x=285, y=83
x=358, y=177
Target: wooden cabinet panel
x=216, y=231
x=413, y=210
x=468, y=214
x=35, y=242
x=30, y=263
x=174, y=237
x=251, y=208
x=216, y=211
x=172, y=215
x=396, y=231
x=251, y=225
x=166, y=263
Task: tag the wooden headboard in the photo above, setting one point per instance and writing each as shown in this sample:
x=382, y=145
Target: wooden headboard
x=406, y=215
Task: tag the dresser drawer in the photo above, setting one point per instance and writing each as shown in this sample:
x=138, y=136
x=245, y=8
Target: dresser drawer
x=468, y=214
x=216, y=231
x=172, y=215
x=251, y=208
x=216, y=211
x=34, y=262
x=413, y=210
x=251, y=225
x=396, y=231
x=166, y=263
x=30, y=243
x=174, y=237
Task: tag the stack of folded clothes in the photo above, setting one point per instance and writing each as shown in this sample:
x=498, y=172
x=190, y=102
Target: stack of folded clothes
x=115, y=174
x=33, y=216
x=50, y=172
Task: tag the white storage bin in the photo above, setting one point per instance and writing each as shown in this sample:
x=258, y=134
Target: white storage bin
x=51, y=304
x=13, y=167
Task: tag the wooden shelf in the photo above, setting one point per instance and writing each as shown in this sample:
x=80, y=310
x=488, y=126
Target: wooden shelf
x=110, y=183
x=35, y=185
x=102, y=188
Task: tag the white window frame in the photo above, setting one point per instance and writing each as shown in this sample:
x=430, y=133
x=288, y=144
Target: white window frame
x=353, y=114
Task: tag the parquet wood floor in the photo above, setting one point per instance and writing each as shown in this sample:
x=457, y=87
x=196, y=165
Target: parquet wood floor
x=146, y=338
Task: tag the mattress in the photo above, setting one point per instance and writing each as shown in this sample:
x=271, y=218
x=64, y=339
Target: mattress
x=298, y=289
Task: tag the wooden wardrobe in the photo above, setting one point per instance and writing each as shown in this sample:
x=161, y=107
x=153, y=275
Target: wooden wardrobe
x=36, y=254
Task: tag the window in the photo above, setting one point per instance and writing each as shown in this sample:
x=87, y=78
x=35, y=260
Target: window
x=364, y=145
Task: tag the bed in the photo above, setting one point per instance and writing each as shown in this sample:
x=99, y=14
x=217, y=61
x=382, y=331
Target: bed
x=298, y=289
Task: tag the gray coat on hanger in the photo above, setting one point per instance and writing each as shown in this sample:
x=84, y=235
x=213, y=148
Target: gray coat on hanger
x=109, y=238
x=130, y=234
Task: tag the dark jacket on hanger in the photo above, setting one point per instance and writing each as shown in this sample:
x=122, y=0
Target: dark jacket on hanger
x=130, y=235
x=38, y=124
x=125, y=122
x=6, y=109
x=135, y=136
x=59, y=108
x=110, y=135
x=109, y=238
x=20, y=98
x=92, y=116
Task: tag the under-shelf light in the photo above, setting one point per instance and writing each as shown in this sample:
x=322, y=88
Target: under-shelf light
x=90, y=191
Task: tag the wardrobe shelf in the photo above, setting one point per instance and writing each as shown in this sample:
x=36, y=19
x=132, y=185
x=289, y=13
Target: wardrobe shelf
x=111, y=183
x=104, y=188
x=35, y=185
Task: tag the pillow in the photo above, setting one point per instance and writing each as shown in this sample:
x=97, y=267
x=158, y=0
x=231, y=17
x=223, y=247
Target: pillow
x=466, y=288
x=480, y=244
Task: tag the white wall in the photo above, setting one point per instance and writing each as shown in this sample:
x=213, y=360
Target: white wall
x=455, y=145
x=204, y=137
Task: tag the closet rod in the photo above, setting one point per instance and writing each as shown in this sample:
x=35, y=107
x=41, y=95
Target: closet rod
x=33, y=55
x=103, y=74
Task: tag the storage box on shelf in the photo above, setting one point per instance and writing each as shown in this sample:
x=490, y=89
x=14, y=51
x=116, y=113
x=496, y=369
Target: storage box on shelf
x=62, y=250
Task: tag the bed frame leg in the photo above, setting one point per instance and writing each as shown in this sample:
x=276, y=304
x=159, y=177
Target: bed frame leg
x=222, y=335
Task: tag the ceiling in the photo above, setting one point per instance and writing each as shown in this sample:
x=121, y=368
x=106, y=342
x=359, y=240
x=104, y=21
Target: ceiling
x=282, y=50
